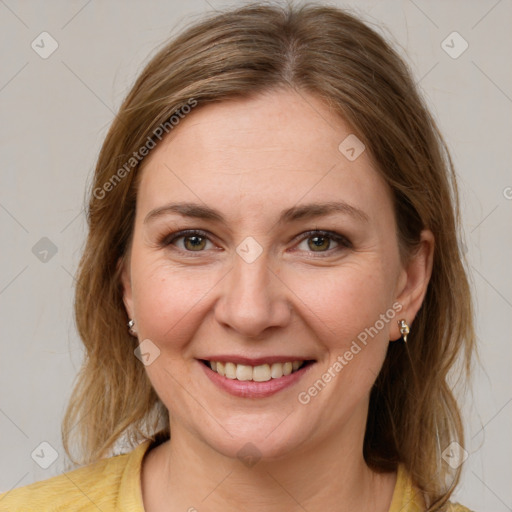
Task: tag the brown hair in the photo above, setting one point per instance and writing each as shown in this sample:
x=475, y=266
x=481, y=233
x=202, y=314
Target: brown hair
x=324, y=51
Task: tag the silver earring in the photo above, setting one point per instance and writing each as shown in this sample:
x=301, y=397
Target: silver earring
x=131, y=327
x=404, y=329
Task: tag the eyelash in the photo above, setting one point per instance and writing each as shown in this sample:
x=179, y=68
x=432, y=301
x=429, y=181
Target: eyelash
x=343, y=242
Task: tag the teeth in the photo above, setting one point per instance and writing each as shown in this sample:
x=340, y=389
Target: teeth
x=287, y=368
x=243, y=372
x=260, y=373
x=230, y=370
x=276, y=370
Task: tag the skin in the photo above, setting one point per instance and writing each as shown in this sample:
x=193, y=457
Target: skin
x=251, y=159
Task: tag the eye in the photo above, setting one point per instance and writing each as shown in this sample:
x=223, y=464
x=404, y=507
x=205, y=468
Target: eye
x=321, y=241
x=193, y=240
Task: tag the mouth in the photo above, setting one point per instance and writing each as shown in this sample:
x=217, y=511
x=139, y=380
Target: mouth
x=259, y=373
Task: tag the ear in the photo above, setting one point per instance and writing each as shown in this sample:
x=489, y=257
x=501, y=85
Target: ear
x=413, y=281
x=123, y=268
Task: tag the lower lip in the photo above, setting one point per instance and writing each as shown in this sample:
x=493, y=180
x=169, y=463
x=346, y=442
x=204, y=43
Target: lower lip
x=252, y=389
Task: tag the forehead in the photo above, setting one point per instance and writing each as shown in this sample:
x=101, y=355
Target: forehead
x=279, y=148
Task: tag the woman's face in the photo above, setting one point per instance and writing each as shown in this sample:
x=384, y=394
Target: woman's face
x=253, y=286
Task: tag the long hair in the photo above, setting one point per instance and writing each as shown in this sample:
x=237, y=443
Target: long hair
x=237, y=53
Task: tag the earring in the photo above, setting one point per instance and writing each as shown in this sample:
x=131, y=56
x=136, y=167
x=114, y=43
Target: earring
x=404, y=329
x=131, y=327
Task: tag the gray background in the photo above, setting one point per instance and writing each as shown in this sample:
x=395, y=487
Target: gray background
x=55, y=113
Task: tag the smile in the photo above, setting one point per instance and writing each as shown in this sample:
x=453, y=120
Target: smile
x=255, y=381
x=259, y=373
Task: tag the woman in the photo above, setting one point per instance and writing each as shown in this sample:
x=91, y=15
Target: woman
x=272, y=275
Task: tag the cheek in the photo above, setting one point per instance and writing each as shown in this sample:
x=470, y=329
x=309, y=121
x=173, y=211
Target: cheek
x=343, y=302
x=169, y=301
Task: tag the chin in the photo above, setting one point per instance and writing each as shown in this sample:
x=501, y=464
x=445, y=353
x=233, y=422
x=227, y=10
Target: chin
x=250, y=445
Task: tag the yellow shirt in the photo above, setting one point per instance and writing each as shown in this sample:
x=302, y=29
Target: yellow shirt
x=114, y=484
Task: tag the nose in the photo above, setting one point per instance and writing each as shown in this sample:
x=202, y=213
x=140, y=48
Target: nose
x=253, y=298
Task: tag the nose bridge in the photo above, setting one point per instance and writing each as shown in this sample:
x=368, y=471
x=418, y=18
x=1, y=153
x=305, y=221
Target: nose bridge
x=253, y=298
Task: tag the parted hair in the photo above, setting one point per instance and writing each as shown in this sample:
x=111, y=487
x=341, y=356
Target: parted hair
x=238, y=53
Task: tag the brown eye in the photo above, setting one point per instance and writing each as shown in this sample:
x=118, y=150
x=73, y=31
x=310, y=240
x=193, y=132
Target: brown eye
x=322, y=241
x=318, y=242
x=192, y=240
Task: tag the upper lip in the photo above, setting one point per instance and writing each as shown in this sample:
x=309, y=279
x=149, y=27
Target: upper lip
x=254, y=361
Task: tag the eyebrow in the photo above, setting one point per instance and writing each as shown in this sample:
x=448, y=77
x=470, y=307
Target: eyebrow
x=302, y=212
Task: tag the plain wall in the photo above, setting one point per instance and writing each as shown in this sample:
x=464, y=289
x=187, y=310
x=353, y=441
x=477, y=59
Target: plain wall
x=55, y=113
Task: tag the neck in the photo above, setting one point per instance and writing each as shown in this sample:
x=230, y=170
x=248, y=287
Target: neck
x=187, y=474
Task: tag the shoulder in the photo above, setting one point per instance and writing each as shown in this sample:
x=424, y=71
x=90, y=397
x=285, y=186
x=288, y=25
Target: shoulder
x=95, y=487
x=408, y=498
x=456, y=507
